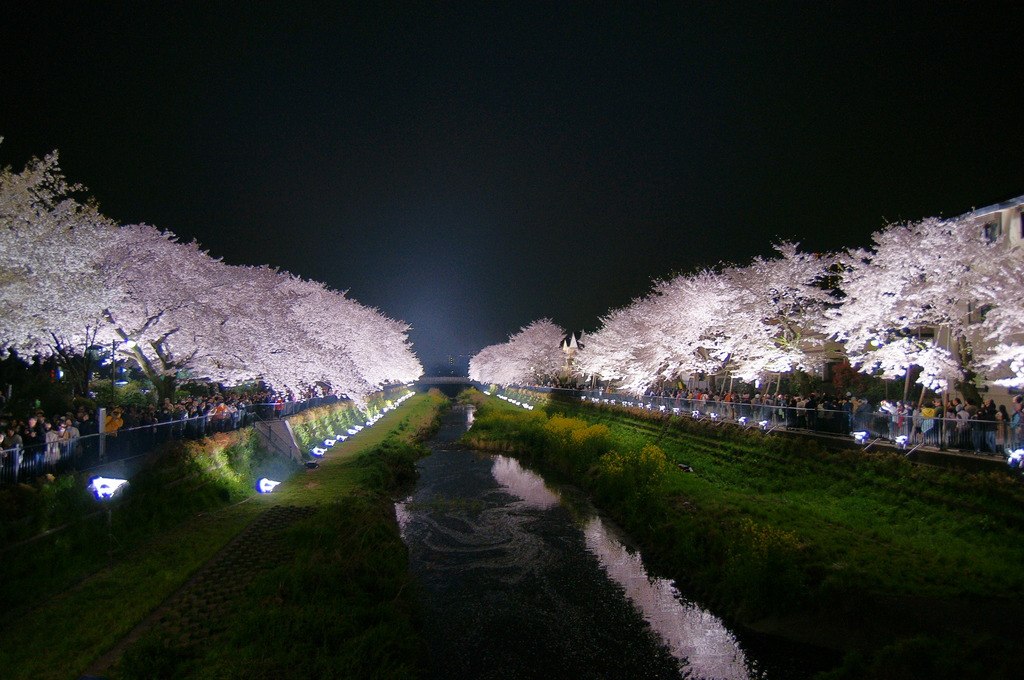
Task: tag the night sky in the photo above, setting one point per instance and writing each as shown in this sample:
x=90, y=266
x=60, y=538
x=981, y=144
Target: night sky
x=469, y=168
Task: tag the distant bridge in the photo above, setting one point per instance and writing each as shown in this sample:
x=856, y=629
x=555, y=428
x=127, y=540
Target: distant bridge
x=444, y=380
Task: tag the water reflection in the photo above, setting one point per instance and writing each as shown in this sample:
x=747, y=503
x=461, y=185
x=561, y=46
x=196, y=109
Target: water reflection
x=693, y=635
x=523, y=484
x=518, y=582
x=690, y=632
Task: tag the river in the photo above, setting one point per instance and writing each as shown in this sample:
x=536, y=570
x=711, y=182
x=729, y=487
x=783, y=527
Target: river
x=517, y=580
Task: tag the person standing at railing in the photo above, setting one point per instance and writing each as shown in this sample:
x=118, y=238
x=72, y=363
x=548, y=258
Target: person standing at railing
x=52, y=439
x=1017, y=424
x=111, y=425
x=13, y=451
x=69, y=436
x=1002, y=429
x=963, y=427
x=991, y=425
x=928, y=429
x=34, y=437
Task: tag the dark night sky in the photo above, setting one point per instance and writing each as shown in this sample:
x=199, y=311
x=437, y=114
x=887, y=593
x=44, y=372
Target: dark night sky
x=469, y=168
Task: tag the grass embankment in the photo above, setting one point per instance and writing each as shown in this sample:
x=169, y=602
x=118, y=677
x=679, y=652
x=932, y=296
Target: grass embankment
x=913, y=570
x=346, y=558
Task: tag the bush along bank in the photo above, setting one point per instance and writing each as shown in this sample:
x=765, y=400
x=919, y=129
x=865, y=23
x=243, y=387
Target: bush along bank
x=311, y=427
x=900, y=565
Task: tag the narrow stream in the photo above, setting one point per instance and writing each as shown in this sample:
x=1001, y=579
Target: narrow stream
x=518, y=581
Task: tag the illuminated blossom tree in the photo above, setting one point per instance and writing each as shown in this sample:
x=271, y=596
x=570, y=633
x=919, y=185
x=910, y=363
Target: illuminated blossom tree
x=52, y=287
x=913, y=300
x=774, y=320
x=1002, y=349
x=533, y=354
x=173, y=318
x=71, y=279
x=352, y=348
x=739, y=321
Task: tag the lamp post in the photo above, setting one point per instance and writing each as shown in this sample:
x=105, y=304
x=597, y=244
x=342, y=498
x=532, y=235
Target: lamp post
x=113, y=370
x=128, y=344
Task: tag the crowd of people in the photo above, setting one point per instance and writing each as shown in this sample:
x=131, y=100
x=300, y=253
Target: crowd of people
x=39, y=443
x=957, y=424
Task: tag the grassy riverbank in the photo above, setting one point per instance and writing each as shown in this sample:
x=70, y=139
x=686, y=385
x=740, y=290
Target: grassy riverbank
x=336, y=606
x=914, y=571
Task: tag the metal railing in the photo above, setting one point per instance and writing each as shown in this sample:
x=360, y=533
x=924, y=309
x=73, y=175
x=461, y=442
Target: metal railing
x=23, y=464
x=905, y=430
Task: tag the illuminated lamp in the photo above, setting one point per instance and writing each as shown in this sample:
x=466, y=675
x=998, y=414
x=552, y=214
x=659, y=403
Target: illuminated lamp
x=266, y=485
x=742, y=420
x=695, y=414
x=764, y=424
x=901, y=441
x=860, y=437
x=106, y=487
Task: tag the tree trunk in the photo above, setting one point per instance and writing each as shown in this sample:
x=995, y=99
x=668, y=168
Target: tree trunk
x=967, y=388
x=165, y=384
x=165, y=387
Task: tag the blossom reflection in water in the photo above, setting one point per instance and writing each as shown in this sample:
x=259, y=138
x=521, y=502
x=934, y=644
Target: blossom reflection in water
x=692, y=634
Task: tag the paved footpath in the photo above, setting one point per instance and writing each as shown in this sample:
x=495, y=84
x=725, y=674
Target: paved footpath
x=199, y=611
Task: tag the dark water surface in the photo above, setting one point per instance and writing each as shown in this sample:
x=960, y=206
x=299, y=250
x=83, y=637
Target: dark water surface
x=517, y=581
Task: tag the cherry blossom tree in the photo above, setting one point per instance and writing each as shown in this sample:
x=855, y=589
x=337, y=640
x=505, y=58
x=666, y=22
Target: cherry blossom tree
x=533, y=354
x=52, y=287
x=908, y=302
x=774, y=320
x=738, y=321
x=1001, y=351
x=173, y=318
x=70, y=279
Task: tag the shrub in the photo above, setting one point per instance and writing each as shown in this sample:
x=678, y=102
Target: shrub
x=631, y=477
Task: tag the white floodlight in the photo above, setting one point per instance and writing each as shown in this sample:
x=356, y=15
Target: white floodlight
x=266, y=485
x=860, y=436
x=106, y=487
